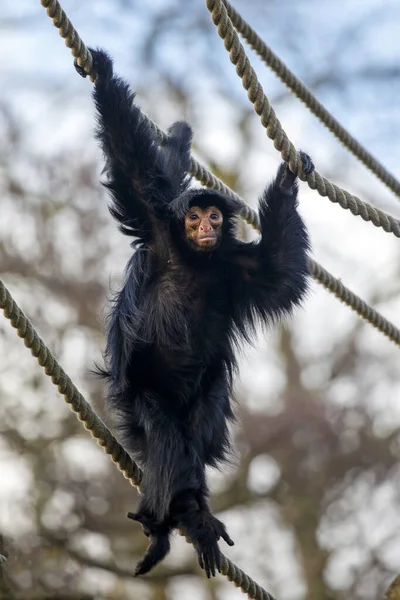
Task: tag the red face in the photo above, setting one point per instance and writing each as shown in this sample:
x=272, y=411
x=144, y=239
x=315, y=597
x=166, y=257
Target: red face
x=203, y=226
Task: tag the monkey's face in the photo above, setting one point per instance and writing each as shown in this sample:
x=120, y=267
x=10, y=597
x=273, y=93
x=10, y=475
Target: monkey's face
x=203, y=227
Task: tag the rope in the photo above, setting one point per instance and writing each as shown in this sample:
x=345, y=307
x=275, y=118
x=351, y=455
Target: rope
x=198, y=171
x=209, y=180
x=298, y=88
x=261, y=105
x=45, y=358
x=69, y=33
x=369, y=314
x=276, y=133
x=71, y=394
x=64, y=384
x=97, y=427
x=326, y=279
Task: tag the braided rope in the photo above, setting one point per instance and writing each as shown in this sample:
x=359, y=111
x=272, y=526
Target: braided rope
x=262, y=107
x=71, y=394
x=209, y=180
x=369, y=314
x=69, y=33
x=97, y=427
x=64, y=384
x=276, y=133
x=298, y=88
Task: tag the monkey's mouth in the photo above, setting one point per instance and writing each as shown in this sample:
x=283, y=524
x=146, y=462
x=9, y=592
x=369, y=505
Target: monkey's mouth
x=206, y=240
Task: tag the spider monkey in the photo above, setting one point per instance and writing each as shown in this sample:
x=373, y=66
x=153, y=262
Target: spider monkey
x=192, y=292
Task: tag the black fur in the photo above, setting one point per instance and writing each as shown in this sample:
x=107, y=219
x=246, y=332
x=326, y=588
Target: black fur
x=174, y=325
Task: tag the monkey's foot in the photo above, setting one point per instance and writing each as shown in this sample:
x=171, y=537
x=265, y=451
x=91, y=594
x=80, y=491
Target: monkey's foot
x=204, y=532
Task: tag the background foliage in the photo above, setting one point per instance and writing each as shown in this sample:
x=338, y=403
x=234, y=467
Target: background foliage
x=312, y=495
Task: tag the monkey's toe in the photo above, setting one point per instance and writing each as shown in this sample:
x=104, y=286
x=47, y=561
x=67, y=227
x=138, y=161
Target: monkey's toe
x=220, y=531
x=209, y=559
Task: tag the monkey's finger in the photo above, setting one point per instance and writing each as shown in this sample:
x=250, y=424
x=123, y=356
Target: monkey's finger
x=210, y=566
x=206, y=564
x=79, y=69
x=308, y=165
x=211, y=558
x=218, y=559
x=200, y=559
x=136, y=517
x=225, y=536
x=213, y=564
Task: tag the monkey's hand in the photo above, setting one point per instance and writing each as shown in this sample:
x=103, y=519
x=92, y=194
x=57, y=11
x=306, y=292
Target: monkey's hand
x=287, y=178
x=102, y=66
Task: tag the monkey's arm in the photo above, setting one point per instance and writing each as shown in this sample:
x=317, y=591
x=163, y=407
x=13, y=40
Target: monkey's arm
x=278, y=270
x=139, y=174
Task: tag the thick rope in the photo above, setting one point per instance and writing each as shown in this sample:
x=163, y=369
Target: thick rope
x=330, y=283
x=369, y=314
x=97, y=427
x=261, y=105
x=91, y=421
x=209, y=180
x=71, y=394
x=69, y=33
x=276, y=133
x=298, y=88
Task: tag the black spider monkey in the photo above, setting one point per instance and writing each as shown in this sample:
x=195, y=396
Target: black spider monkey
x=192, y=290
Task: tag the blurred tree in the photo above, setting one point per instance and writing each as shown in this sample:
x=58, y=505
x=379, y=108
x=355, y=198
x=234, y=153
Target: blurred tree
x=312, y=500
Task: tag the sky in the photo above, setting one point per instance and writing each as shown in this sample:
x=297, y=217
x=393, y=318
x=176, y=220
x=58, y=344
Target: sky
x=39, y=85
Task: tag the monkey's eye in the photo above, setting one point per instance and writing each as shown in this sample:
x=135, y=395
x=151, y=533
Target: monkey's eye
x=193, y=217
x=214, y=216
